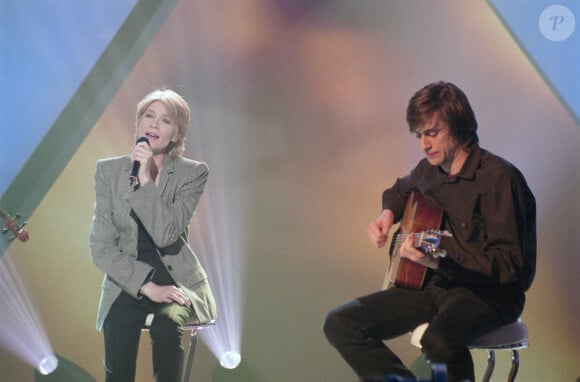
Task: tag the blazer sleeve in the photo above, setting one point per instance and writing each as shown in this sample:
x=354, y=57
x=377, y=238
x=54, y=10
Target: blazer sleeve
x=167, y=215
x=120, y=266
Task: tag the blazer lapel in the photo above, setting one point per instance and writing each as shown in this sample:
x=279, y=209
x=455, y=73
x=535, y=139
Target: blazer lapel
x=125, y=172
x=166, y=173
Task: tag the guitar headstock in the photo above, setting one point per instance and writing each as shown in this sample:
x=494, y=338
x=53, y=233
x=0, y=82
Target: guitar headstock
x=12, y=226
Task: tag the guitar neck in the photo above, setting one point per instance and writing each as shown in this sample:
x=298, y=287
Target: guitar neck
x=417, y=239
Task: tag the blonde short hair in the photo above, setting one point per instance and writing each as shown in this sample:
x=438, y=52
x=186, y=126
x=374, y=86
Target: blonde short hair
x=178, y=110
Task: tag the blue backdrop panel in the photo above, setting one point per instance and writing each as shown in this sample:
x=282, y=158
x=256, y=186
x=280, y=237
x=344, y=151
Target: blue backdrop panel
x=549, y=34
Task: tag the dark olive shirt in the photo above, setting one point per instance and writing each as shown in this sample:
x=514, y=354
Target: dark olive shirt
x=491, y=214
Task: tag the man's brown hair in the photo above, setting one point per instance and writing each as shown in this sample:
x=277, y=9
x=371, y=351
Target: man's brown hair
x=450, y=104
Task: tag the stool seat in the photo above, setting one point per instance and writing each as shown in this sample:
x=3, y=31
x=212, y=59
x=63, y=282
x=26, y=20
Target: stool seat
x=512, y=336
x=509, y=336
x=198, y=325
x=193, y=325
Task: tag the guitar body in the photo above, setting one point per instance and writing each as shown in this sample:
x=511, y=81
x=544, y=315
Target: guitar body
x=418, y=216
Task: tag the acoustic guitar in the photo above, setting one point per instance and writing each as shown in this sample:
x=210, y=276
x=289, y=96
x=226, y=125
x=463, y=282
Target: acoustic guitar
x=422, y=221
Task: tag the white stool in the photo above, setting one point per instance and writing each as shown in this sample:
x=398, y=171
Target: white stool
x=192, y=329
x=512, y=337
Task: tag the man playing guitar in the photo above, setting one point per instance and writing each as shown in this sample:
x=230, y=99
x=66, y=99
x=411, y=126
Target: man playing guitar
x=489, y=252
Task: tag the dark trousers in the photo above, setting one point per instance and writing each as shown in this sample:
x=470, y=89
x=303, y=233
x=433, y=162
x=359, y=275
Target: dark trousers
x=456, y=317
x=122, y=330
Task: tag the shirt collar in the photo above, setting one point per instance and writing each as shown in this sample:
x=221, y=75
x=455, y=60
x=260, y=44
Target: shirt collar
x=470, y=166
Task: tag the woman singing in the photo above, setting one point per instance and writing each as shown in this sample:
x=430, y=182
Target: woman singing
x=144, y=204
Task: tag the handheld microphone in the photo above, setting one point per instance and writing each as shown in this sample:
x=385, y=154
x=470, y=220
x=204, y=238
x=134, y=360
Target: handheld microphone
x=136, y=165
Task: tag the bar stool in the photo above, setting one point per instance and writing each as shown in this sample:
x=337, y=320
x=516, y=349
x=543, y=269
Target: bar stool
x=512, y=337
x=192, y=328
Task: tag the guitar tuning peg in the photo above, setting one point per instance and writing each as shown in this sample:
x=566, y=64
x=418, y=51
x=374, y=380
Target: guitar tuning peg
x=439, y=253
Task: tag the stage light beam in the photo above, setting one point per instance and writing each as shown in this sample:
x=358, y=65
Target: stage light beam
x=21, y=332
x=218, y=234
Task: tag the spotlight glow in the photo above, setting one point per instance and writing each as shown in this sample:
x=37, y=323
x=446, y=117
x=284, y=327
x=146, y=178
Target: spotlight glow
x=48, y=364
x=230, y=359
x=21, y=331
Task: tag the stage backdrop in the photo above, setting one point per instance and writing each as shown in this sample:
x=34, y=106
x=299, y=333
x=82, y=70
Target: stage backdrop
x=298, y=109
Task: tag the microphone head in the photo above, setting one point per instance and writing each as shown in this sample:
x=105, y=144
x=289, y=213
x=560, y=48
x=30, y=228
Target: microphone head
x=142, y=139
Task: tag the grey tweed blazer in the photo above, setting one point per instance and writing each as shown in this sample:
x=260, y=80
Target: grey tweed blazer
x=165, y=211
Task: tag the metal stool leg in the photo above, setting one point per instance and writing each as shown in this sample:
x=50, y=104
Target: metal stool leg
x=490, y=365
x=190, y=353
x=515, y=365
